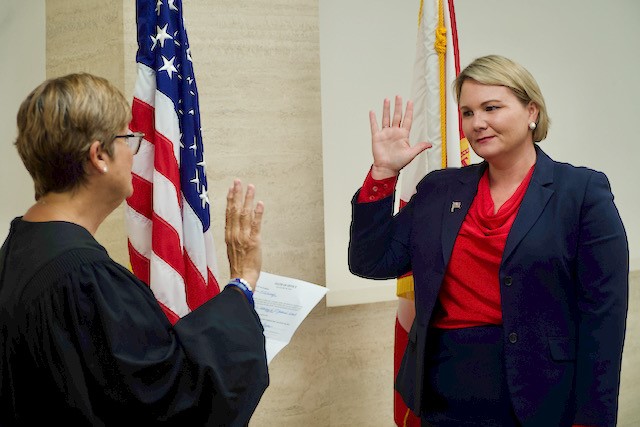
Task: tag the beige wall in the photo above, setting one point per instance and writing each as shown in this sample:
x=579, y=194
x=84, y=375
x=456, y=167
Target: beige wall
x=22, y=31
x=258, y=73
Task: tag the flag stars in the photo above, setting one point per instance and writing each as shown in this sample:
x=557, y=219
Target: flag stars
x=204, y=198
x=175, y=39
x=155, y=42
x=158, y=6
x=189, y=54
x=168, y=66
x=162, y=35
x=196, y=180
x=194, y=146
x=172, y=6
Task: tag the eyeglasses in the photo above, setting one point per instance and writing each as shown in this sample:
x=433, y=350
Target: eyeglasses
x=133, y=140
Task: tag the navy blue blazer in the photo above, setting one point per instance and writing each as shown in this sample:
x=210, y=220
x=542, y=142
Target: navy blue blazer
x=564, y=279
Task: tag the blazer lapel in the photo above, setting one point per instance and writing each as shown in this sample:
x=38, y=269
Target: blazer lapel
x=535, y=199
x=457, y=204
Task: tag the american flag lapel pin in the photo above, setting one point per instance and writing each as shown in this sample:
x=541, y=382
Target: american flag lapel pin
x=455, y=205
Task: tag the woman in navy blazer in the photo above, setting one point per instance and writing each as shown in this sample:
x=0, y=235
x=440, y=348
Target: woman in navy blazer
x=532, y=333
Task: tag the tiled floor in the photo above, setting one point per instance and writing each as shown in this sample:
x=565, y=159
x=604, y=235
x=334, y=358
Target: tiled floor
x=338, y=369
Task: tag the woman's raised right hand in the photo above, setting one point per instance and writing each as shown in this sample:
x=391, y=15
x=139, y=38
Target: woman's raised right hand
x=390, y=144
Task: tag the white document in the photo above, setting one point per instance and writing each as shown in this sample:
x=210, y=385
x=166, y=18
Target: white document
x=282, y=303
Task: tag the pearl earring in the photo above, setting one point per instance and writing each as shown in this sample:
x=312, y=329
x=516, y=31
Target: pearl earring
x=532, y=125
x=104, y=169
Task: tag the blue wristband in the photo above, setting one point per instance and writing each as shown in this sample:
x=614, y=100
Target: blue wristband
x=244, y=287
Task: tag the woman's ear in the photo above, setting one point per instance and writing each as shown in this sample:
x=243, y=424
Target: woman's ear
x=533, y=111
x=97, y=159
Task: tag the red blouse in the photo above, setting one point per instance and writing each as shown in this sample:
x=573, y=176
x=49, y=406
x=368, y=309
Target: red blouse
x=470, y=292
x=376, y=189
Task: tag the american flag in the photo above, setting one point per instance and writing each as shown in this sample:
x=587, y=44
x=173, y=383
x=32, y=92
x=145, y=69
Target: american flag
x=168, y=221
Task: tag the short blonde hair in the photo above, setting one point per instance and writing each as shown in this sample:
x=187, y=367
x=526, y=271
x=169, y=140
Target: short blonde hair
x=500, y=71
x=57, y=123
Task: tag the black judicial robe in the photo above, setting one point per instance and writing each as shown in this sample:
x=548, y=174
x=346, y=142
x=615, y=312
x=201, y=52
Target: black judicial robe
x=83, y=341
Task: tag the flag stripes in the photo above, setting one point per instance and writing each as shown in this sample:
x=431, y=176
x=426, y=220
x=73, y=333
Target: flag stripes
x=168, y=222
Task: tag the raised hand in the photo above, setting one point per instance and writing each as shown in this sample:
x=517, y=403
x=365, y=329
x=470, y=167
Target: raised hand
x=390, y=144
x=242, y=233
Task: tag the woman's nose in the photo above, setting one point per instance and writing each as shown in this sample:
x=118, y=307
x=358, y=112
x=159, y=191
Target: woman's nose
x=479, y=121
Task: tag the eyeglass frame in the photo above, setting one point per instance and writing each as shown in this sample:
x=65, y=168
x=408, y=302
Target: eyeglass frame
x=136, y=145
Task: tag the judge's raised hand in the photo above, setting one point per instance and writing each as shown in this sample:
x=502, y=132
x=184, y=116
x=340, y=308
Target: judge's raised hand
x=390, y=144
x=242, y=233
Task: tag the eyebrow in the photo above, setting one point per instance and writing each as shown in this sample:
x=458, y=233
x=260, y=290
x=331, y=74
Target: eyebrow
x=483, y=103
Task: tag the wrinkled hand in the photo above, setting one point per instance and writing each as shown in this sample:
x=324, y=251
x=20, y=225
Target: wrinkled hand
x=242, y=233
x=390, y=145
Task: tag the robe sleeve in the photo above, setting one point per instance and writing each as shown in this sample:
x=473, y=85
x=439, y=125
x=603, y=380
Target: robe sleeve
x=112, y=350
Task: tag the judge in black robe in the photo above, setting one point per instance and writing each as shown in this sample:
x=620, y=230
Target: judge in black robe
x=82, y=340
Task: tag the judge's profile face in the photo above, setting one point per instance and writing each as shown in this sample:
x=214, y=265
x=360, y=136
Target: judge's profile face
x=121, y=163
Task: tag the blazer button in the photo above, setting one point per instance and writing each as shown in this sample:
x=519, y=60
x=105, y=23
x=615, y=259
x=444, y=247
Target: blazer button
x=513, y=337
x=508, y=280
